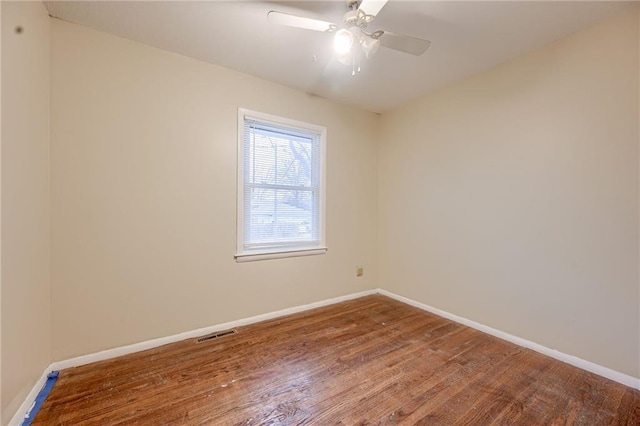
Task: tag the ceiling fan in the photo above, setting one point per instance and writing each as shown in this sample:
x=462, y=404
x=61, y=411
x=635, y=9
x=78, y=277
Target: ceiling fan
x=352, y=40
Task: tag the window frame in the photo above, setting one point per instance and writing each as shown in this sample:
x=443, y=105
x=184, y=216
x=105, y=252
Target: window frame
x=304, y=249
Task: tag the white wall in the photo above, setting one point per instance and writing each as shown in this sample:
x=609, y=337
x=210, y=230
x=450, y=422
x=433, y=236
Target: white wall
x=25, y=314
x=511, y=198
x=143, y=195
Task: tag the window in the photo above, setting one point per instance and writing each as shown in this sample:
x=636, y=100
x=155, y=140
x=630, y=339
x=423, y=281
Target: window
x=281, y=168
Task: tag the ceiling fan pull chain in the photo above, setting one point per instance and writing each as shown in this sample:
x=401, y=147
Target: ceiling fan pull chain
x=355, y=64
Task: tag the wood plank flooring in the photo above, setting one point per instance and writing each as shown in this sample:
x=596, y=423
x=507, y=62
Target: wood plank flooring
x=368, y=361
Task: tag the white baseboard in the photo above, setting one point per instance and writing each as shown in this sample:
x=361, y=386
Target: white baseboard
x=149, y=344
x=614, y=375
x=30, y=400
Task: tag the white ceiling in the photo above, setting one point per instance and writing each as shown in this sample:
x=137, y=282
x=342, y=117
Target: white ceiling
x=466, y=36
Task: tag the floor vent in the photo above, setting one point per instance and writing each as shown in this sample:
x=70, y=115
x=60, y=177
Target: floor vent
x=214, y=336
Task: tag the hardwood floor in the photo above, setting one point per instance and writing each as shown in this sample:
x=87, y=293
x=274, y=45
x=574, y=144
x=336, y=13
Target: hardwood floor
x=367, y=361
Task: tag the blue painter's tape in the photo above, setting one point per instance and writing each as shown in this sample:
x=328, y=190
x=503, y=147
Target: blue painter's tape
x=44, y=392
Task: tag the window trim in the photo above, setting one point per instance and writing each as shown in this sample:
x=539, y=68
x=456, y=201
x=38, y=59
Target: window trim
x=280, y=252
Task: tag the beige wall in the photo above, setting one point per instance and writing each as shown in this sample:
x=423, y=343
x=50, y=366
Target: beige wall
x=511, y=198
x=143, y=190
x=1, y=405
x=26, y=347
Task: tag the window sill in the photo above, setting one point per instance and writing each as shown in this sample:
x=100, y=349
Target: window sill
x=251, y=257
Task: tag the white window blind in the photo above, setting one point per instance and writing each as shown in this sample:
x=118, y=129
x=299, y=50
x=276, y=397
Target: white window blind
x=280, y=186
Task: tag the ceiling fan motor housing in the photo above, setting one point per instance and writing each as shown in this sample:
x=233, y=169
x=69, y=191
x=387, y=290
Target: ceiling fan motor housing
x=351, y=18
x=353, y=4
x=356, y=18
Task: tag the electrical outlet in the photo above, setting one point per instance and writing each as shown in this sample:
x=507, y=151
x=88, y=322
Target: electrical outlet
x=359, y=270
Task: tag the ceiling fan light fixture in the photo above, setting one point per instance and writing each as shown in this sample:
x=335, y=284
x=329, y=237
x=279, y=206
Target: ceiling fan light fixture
x=343, y=41
x=370, y=46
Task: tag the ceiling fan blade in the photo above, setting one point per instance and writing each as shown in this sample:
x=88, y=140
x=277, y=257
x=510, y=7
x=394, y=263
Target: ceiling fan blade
x=282, y=18
x=372, y=7
x=412, y=45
